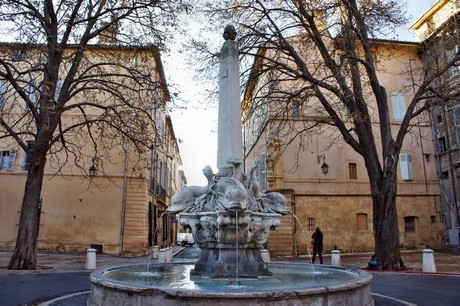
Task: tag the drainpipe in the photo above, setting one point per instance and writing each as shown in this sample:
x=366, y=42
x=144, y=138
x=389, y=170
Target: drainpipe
x=125, y=170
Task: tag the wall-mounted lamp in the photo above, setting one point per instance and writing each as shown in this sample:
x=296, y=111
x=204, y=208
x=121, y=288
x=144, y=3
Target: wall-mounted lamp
x=324, y=166
x=92, y=171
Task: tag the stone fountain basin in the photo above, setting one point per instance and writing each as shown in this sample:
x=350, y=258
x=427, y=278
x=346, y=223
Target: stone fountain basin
x=169, y=284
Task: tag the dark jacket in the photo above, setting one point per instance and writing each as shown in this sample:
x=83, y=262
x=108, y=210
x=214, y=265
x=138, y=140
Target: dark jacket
x=318, y=236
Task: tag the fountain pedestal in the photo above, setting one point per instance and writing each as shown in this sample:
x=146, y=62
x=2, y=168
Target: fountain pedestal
x=231, y=242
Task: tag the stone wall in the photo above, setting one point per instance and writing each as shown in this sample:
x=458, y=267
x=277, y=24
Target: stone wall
x=341, y=221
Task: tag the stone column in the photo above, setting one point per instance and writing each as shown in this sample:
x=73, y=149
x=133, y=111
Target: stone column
x=230, y=140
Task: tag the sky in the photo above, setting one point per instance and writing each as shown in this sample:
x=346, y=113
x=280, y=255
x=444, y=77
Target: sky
x=196, y=126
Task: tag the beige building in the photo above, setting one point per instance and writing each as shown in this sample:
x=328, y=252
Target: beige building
x=438, y=32
x=105, y=195
x=325, y=181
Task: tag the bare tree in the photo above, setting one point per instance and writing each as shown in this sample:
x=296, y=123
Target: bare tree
x=79, y=78
x=322, y=51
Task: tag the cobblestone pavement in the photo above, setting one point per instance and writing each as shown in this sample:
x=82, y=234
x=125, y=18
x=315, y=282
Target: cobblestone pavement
x=446, y=261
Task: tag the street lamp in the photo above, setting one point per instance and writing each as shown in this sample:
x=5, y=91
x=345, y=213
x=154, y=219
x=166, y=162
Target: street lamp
x=92, y=171
x=324, y=166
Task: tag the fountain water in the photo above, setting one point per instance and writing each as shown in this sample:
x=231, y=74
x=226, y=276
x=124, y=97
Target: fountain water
x=230, y=219
x=304, y=234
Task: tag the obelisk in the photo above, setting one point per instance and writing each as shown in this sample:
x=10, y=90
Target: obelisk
x=229, y=136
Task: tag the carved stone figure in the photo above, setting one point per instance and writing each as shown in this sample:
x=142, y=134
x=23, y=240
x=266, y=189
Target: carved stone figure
x=229, y=32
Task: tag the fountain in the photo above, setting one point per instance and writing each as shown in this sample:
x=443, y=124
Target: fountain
x=230, y=219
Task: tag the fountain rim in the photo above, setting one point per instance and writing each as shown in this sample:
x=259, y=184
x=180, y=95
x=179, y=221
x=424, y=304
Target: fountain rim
x=363, y=278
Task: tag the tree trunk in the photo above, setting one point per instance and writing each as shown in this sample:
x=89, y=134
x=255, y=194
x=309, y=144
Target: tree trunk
x=25, y=252
x=386, y=228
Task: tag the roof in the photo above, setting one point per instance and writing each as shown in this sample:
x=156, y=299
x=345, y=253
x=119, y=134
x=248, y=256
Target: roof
x=152, y=48
x=433, y=9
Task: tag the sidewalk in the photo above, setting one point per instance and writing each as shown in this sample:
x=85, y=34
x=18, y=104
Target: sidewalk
x=54, y=262
x=446, y=261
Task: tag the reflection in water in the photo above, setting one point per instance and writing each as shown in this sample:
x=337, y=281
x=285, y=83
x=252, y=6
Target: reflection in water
x=291, y=276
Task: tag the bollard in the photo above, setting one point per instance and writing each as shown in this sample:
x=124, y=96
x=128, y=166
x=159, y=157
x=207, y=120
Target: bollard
x=265, y=255
x=155, y=251
x=335, y=258
x=428, y=261
x=169, y=252
x=90, y=259
x=162, y=256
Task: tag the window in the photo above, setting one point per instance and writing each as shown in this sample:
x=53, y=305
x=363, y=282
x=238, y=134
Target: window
x=427, y=157
x=398, y=102
x=442, y=144
x=24, y=164
x=439, y=119
x=58, y=90
x=296, y=107
x=444, y=175
x=7, y=160
x=352, y=171
x=454, y=70
x=340, y=58
x=160, y=124
x=311, y=224
x=2, y=93
x=409, y=224
x=31, y=93
x=18, y=56
x=456, y=116
x=361, y=222
x=407, y=170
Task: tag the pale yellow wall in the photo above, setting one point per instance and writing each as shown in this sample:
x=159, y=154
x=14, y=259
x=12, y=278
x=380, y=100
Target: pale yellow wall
x=74, y=212
x=336, y=216
x=334, y=200
x=434, y=18
x=11, y=185
x=78, y=211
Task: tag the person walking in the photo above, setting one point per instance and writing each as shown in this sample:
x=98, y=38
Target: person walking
x=317, y=245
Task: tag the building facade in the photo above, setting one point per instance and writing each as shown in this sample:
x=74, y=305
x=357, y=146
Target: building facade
x=100, y=191
x=325, y=181
x=439, y=34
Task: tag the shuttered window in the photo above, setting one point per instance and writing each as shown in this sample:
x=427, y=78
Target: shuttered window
x=2, y=93
x=398, y=102
x=407, y=169
x=352, y=171
x=7, y=160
